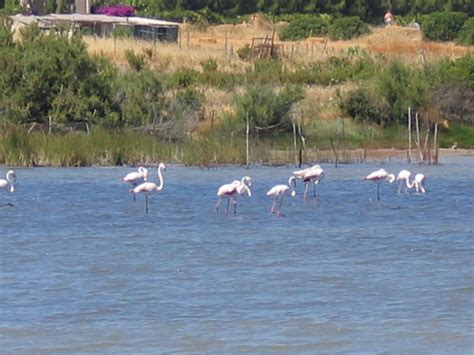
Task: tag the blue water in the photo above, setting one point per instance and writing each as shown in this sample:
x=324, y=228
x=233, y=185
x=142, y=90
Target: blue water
x=84, y=269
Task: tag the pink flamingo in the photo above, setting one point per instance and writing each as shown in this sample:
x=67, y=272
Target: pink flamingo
x=378, y=177
x=10, y=179
x=310, y=175
x=150, y=187
x=230, y=191
x=278, y=191
x=136, y=177
x=403, y=177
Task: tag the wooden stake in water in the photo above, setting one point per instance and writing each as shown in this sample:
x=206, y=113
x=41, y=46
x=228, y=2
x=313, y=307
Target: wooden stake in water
x=435, y=144
x=247, y=148
x=409, y=136
x=294, y=144
x=418, y=136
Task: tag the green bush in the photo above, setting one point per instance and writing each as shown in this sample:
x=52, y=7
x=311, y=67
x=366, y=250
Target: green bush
x=466, y=33
x=135, y=61
x=364, y=106
x=304, y=27
x=345, y=28
x=443, y=26
x=266, y=107
x=245, y=53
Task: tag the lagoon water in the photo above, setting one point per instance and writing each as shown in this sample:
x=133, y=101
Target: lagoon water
x=84, y=269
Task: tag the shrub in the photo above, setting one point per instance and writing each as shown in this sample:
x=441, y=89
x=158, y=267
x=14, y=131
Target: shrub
x=443, y=26
x=135, y=61
x=364, y=106
x=466, y=33
x=304, y=27
x=266, y=107
x=245, y=53
x=347, y=27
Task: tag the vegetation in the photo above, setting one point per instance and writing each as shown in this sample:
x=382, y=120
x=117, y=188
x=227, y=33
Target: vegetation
x=65, y=107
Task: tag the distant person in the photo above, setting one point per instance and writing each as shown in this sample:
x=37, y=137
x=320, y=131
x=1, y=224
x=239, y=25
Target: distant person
x=388, y=18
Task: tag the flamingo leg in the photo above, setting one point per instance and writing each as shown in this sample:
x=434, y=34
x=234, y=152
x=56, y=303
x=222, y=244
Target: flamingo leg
x=378, y=192
x=400, y=186
x=314, y=190
x=305, y=191
x=227, y=210
x=234, y=201
x=273, y=205
x=146, y=203
x=218, y=204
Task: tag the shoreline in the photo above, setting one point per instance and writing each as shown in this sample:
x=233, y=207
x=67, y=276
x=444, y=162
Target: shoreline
x=285, y=157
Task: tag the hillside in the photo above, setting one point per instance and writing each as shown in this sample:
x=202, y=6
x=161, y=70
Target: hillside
x=197, y=44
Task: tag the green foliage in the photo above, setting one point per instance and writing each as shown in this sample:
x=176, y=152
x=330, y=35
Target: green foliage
x=304, y=27
x=140, y=98
x=461, y=134
x=365, y=106
x=466, y=33
x=266, y=107
x=135, y=61
x=209, y=65
x=443, y=26
x=245, y=53
x=53, y=76
x=345, y=28
x=402, y=87
x=455, y=71
x=265, y=71
x=355, y=66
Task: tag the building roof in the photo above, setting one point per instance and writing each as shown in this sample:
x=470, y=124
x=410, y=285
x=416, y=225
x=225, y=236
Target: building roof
x=52, y=19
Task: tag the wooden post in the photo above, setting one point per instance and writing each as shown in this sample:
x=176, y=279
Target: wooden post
x=426, y=148
x=418, y=136
x=187, y=34
x=294, y=144
x=409, y=136
x=435, y=144
x=49, y=124
x=247, y=147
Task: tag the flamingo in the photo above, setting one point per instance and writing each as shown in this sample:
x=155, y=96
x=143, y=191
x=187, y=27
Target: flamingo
x=10, y=179
x=245, y=185
x=149, y=187
x=418, y=182
x=278, y=191
x=230, y=191
x=378, y=177
x=310, y=175
x=404, y=177
x=136, y=177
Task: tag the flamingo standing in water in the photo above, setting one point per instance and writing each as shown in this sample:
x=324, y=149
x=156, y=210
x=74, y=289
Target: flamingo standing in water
x=136, y=177
x=278, y=191
x=150, y=187
x=10, y=179
x=418, y=182
x=403, y=178
x=378, y=177
x=310, y=175
x=230, y=191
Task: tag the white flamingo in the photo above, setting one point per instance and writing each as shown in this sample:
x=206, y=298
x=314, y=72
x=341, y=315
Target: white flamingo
x=230, y=192
x=9, y=180
x=278, y=191
x=136, y=177
x=418, y=183
x=403, y=178
x=245, y=185
x=378, y=177
x=312, y=175
x=150, y=187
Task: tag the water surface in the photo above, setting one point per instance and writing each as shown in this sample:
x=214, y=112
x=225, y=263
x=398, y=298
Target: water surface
x=84, y=269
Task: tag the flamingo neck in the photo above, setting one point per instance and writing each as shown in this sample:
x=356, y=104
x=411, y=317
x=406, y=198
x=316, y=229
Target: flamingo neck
x=160, y=176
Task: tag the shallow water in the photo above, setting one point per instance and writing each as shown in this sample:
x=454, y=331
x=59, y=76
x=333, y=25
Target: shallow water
x=84, y=269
